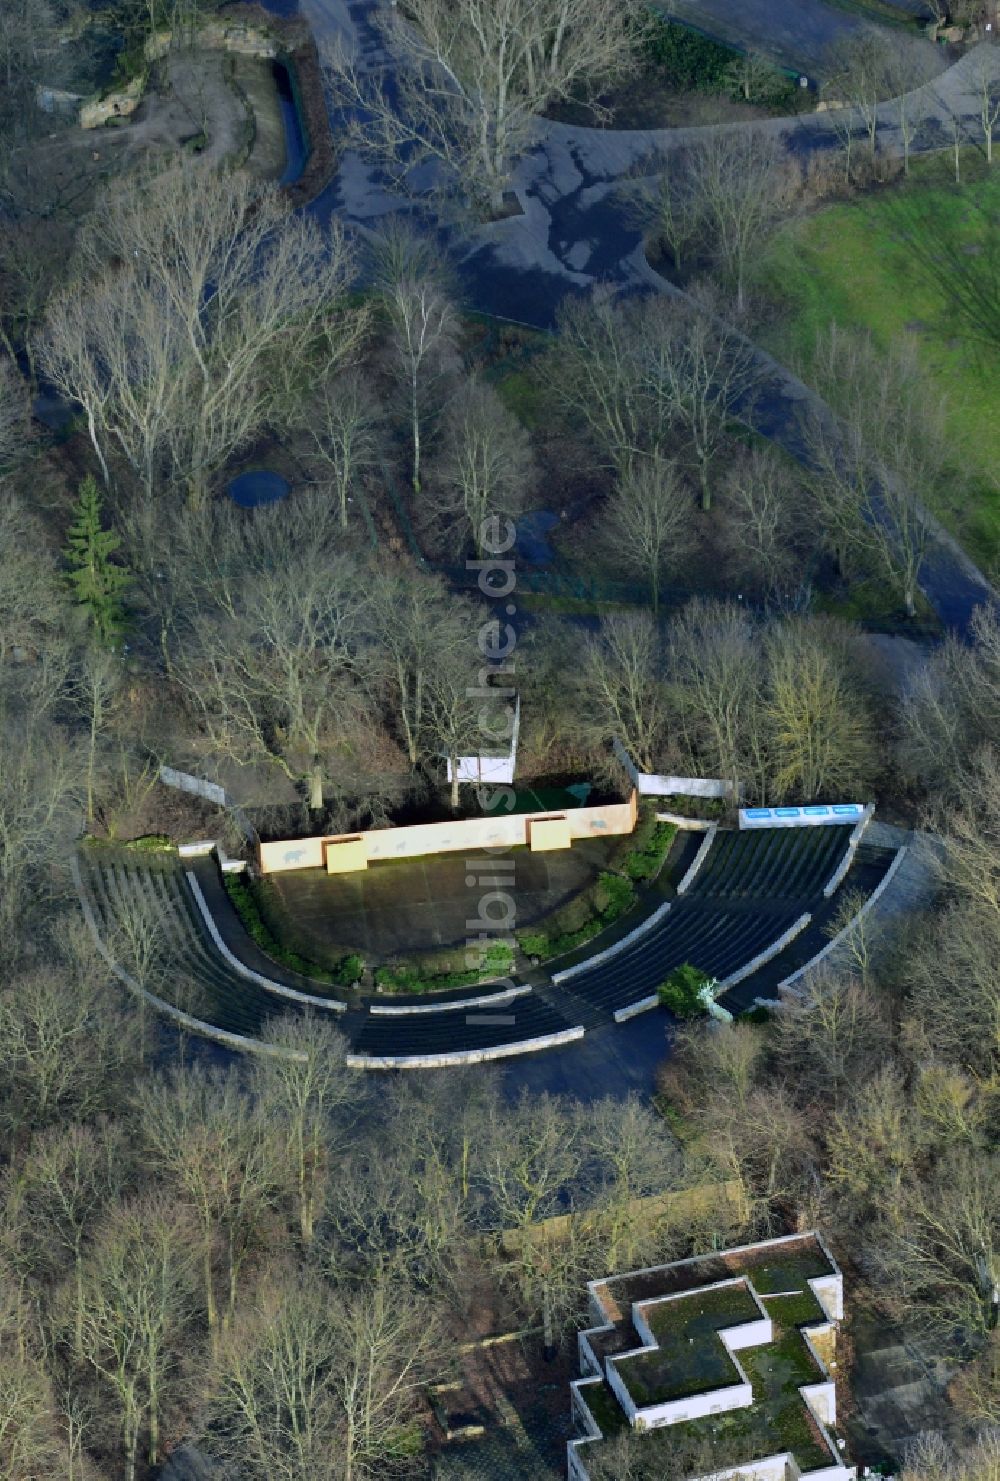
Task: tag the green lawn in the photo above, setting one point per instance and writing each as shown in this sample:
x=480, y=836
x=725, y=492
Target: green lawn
x=844, y=264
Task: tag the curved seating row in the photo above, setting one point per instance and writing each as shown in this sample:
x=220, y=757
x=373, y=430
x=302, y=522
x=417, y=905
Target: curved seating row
x=773, y=863
x=184, y=965
x=749, y=891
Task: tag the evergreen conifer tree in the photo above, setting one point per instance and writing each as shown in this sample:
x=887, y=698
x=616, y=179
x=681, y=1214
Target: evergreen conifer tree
x=96, y=582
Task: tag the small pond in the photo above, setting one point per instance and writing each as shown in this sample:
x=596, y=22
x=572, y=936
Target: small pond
x=532, y=531
x=296, y=148
x=256, y=486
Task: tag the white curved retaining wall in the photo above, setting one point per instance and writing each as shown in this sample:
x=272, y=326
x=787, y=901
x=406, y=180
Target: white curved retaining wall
x=872, y=900
x=462, y=1056
x=278, y=988
x=698, y=860
x=857, y=833
x=769, y=951
x=496, y=999
x=613, y=951
x=622, y=1015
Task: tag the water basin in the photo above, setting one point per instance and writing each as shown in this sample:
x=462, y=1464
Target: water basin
x=256, y=486
x=532, y=529
x=296, y=148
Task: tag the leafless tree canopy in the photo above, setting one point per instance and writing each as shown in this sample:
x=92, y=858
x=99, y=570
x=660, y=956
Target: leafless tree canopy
x=193, y=299
x=473, y=76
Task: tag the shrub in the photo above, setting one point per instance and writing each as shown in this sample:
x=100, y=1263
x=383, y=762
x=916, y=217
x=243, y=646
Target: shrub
x=613, y=896
x=703, y=808
x=150, y=843
x=153, y=843
x=645, y=859
x=691, y=61
x=757, y=1014
x=681, y=991
x=582, y=919
x=534, y=943
x=421, y=976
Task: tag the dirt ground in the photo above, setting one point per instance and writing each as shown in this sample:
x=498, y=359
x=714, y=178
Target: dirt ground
x=190, y=105
x=417, y=904
x=519, y=1401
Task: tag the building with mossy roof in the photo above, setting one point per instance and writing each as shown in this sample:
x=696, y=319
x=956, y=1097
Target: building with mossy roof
x=721, y=1365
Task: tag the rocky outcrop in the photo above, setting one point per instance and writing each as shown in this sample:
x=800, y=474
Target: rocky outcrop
x=237, y=36
x=98, y=111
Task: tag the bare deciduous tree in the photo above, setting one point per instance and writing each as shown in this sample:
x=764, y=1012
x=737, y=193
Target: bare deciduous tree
x=417, y=624
x=424, y=331
x=930, y=1458
x=33, y=605
x=941, y=1267
x=648, y=522
x=307, y=1088
x=95, y=692
x=40, y=808
x=138, y=1308
x=714, y=677
x=861, y=73
x=67, y=1048
x=14, y=426
x=273, y=1412
x=222, y=1158
x=595, y=379
x=214, y=295
x=987, y=100
x=888, y=455
x=455, y=711
x=821, y=732
x=829, y=1037
x=473, y=77
x=343, y=421
x=619, y=681
x=743, y=184
x=703, y=374
x=74, y=1172
x=761, y=504
x=670, y=207
x=270, y=679
x=485, y=470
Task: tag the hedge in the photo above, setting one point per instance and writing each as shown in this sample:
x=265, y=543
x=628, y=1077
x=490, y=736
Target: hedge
x=696, y=63
x=420, y=976
x=691, y=61
x=599, y=907
x=150, y=843
x=650, y=847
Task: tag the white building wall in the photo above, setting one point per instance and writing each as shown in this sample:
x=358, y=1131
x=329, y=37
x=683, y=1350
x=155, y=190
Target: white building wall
x=822, y=1400
x=587, y=1356
x=621, y=1393
x=748, y=1334
x=697, y=1406
x=829, y=1292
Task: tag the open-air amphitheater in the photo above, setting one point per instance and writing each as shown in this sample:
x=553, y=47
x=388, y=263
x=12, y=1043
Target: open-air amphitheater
x=755, y=907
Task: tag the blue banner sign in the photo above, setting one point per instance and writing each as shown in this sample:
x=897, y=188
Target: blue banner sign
x=798, y=817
